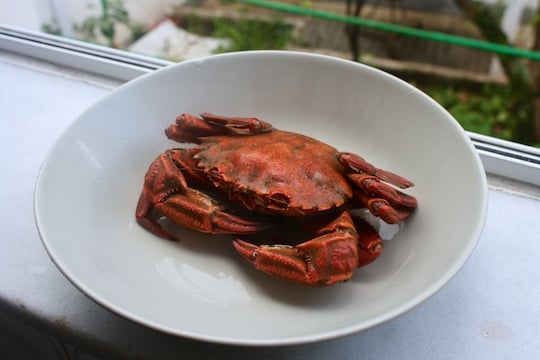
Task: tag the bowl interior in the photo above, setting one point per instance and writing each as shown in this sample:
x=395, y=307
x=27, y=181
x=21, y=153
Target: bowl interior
x=91, y=179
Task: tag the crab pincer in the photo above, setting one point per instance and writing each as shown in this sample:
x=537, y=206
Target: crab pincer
x=331, y=256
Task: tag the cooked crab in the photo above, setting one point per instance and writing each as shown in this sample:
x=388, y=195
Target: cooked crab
x=248, y=179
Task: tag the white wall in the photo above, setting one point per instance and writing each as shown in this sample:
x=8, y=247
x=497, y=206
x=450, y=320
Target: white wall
x=27, y=14
x=143, y=11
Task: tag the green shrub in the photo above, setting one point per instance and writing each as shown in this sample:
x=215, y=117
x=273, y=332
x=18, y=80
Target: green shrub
x=493, y=111
x=252, y=34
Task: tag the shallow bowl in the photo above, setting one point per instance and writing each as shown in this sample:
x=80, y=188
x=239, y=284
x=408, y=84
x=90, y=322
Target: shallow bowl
x=199, y=287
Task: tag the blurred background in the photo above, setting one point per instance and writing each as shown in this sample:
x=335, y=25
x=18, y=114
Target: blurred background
x=478, y=59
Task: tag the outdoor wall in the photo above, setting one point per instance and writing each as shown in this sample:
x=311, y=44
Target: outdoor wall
x=147, y=12
x=33, y=14
x=28, y=14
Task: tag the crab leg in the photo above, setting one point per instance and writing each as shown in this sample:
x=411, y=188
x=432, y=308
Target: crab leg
x=190, y=128
x=381, y=199
x=373, y=192
x=330, y=257
x=251, y=125
x=358, y=165
x=391, y=214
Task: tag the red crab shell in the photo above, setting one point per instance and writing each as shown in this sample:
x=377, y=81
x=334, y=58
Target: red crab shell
x=276, y=172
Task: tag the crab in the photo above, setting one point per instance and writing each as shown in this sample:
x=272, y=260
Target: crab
x=248, y=179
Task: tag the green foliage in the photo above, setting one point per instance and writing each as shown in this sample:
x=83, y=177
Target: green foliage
x=113, y=13
x=252, y=34
x=197, y=25
x=243, y=34
x=518, y=96
x=52, y=28
x=493, y=111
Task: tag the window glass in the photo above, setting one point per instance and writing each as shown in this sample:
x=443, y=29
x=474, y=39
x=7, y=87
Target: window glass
x=487, y=93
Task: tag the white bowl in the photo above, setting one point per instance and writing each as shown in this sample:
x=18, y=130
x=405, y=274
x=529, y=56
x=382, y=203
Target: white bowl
x=199, y=287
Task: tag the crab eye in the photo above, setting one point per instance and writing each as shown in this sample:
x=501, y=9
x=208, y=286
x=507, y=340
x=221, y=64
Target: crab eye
x=279, y=200
x=214, y=174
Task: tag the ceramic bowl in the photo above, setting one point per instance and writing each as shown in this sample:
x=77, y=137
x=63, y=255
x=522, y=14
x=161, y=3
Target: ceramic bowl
x=199, y=287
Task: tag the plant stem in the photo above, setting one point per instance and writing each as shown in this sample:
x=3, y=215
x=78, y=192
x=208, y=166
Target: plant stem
x=104, y=9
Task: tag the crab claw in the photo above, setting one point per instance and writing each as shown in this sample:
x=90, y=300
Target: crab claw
x=329, y=258
x=166, y=193
x=281, y=260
